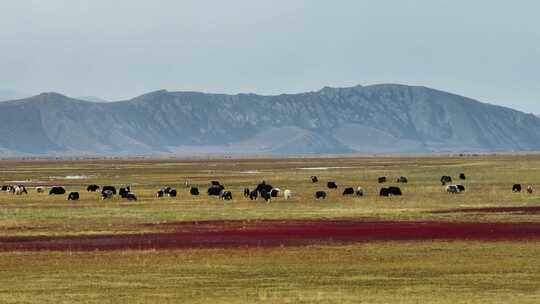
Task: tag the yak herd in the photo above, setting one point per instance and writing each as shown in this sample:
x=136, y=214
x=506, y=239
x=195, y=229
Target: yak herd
x=262, y=190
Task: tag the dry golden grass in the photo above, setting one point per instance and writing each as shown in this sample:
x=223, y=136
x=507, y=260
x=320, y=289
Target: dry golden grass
x=383, y=272
x=489, y=182
x=391, y=272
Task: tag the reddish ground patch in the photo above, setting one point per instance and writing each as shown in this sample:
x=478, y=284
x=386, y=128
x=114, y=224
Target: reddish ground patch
x=231, y=234
x=522, y=210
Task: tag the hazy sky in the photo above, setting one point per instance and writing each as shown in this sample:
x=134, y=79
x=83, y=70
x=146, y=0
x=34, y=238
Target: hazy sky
x=488, y=50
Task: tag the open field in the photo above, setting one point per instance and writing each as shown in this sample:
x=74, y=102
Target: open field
x=426, y=246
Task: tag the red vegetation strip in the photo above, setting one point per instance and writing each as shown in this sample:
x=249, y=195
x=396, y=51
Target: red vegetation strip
x=237, y=234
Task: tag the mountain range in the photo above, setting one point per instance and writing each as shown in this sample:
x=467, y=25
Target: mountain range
x=376, y=119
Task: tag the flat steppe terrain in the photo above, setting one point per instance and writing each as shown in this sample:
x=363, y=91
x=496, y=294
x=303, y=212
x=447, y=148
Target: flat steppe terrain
x=427, y=246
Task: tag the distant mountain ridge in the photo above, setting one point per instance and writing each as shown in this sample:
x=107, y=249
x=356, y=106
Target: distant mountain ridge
x=91, y=98
x=385, y=118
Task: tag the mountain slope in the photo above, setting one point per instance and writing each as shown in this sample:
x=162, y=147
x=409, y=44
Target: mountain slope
x=372, y=119
x=91, y=98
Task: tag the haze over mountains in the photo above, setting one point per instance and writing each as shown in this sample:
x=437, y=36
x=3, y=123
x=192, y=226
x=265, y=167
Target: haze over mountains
x=374, y=119
x=10, y=95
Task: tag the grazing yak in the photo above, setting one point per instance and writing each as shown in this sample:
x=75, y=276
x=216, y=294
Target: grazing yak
x=348, y=191
x=275, y=192
x=359, y=191
x=246, y=192
x=462, y=176
x=287, y=194
x=6, y=188
x=331, y=185
x=446, y=179
x=314, y=179
x=263, y=186
x=160, y=193
x=402, y=179
x=516, y=188
x=73, y=196
x=530, y=189
x=40, y=189
x=454, y=189
x=266, y=195
x=320, y=195
x=253, y=195
x=131, y=196
x=57, y=190
x=92, y=188
x=194, y=191
x=109, y=188
x=107, y=194
x=172, y=193
x=124, y=191
x=381, y=179
x=19, y=190
x=226, y=195
x=394, y=191
x=215, y=190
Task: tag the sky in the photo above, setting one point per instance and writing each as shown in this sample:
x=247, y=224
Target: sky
x=486, y=50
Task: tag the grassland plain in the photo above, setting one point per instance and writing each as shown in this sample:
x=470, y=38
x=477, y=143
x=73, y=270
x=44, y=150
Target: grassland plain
x=434, y=271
